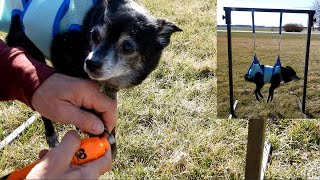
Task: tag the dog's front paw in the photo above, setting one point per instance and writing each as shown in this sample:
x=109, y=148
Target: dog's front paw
x=52, y=140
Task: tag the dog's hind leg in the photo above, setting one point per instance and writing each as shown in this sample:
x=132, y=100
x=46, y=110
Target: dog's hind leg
x=270, y=96
x=258, y=80
x=275, y=82
x=256, y=93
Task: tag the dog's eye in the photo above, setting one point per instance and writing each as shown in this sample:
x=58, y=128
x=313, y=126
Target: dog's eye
x=128, y=47
x=95, y=36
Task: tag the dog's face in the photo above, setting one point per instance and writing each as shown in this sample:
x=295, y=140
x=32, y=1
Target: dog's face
x=126, y=43
x=288, y=74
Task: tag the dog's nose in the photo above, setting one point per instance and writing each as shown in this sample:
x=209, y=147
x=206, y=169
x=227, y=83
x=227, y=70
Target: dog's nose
x=92, y=65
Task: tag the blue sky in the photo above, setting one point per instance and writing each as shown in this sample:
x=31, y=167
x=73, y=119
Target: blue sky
x=266, y=19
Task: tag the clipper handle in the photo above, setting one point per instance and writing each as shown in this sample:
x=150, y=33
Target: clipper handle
x=21, y=173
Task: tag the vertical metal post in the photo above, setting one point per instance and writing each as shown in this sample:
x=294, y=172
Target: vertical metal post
x=228, y=22
x=310, y=23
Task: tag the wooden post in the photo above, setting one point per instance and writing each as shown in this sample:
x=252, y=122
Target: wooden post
x=255, y=147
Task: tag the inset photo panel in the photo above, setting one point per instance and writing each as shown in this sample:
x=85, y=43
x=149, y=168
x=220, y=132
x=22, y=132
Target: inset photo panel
x=268, y=59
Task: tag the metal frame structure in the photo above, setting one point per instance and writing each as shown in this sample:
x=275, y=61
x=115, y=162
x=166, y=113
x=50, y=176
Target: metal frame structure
x=227, y=17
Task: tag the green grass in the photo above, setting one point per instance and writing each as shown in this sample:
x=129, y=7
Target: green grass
x=285, y=102
x=167, y=126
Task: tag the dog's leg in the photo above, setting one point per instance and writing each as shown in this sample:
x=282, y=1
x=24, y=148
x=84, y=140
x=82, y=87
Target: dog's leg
x=51, y=135
x=112, y=93
x=270, y=96
x=260, y=94
x=114, y=146
x=256, y=93
x=275, y=83
x=258, y=90
x=258, y=80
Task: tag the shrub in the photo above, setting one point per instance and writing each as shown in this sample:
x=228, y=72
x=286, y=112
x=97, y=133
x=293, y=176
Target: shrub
x=293, y=27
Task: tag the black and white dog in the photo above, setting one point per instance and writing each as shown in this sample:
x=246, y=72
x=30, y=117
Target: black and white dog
x=287, y=75
x=117, y=42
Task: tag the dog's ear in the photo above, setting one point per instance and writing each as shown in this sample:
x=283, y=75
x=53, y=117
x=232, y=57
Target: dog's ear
x=165, y=29
x=288, y=67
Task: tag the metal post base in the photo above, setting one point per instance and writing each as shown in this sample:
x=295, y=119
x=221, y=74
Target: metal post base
x=265, y=159
x=232, y=115
x=305, y=115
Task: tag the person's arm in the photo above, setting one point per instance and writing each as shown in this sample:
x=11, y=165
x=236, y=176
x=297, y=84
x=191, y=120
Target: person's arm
x=20, y=75
x=53, y=95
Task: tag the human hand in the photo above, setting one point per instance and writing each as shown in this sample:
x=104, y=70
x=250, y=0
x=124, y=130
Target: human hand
x=60, y=98
x=56, y=163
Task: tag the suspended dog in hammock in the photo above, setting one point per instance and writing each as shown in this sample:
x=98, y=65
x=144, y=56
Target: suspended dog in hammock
x=261, y=74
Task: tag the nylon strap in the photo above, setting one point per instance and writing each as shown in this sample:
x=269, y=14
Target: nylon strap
x=254, y=32
x=280, y=33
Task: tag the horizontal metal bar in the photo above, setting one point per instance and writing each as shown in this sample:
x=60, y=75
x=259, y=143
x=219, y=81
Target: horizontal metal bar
x=270, y=10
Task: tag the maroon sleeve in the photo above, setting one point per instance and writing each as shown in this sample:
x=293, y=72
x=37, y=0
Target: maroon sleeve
x=20, y=75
